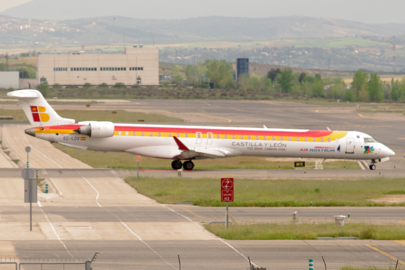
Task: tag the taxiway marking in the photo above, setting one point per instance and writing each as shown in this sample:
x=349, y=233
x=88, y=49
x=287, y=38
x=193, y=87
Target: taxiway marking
x=191, y=212
x=385, y=254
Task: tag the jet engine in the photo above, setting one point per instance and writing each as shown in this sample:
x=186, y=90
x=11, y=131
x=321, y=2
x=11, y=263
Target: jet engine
x=97, y=130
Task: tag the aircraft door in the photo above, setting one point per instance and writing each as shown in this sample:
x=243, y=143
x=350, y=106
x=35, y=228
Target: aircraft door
x=198, y=136
x=349, y=146
x=210, y=137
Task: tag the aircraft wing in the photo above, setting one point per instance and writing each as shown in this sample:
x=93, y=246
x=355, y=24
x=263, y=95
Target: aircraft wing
x=201, y=152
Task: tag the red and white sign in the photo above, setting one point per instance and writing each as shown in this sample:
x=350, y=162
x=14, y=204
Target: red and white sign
x=227, y=190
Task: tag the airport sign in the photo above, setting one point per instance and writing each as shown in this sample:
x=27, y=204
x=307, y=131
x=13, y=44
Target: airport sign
x=227, y=191
x=299, y=164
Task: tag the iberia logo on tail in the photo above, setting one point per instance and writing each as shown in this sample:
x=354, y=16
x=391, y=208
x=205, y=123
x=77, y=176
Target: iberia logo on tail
x=38, y=114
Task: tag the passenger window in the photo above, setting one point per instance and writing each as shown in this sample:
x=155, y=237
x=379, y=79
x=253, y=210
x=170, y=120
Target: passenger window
x=257, y=138
x=249, y=137
x=273, y=138
x=298, y=139
x=306, y=139
x=241, y=137
x=178, y=135
x=134, y=134
x=321, y=139
x=281, y=138
x=226, y=136
x=265, y=138
x=289, y=138
x=170, y=134
x=217, y=136
x=119, y=133
x=233, y=137
x=151, y=134
x=314, y=139
x=143, y=134
x=126, y=133
x=328, y=139
x=186, y=135
x=159, y=134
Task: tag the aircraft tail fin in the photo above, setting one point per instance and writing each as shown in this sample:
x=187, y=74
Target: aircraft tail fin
x=37, y=109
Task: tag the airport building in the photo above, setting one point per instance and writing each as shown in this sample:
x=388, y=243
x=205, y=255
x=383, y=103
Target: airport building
x=242, y=67
x=137, y=66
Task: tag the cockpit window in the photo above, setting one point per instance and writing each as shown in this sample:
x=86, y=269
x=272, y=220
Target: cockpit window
x=369, y=140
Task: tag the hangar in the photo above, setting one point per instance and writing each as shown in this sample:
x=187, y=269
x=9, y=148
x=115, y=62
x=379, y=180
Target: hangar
x=138, y=65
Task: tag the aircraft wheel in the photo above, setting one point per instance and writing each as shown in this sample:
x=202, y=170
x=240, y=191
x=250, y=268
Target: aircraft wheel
x=176, y=164
x=188, y=165
x=372, y=167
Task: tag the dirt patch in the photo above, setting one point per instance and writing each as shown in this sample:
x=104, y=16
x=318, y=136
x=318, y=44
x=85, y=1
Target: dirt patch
x=390, y=199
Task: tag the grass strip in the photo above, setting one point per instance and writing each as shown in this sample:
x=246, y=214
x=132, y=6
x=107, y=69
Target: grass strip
x=270, y=193
x=307, y=231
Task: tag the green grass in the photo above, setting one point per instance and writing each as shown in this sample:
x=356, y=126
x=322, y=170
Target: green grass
x=338, y=165
x=307, y=231
x=269, y=193
x=93, y=115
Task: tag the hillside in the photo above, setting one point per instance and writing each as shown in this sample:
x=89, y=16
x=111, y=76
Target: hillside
x=104, y=30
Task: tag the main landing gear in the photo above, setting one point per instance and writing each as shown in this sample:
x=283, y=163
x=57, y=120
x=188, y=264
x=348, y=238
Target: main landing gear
x=177, y=165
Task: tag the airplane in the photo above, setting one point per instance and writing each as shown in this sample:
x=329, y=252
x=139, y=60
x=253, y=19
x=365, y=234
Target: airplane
x=188, y=143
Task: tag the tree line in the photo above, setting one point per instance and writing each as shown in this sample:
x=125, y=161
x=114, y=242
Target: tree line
x=364, y=87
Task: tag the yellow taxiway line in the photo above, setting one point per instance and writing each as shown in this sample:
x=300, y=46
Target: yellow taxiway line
x=191, y=212
x=386, y=254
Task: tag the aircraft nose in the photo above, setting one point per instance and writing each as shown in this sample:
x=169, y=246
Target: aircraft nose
x=389, y=152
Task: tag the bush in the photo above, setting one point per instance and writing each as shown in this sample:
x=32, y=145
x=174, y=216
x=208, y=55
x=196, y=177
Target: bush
x=135, y=86
x=87, y=85
x=56, y=86
x=119, y=85
x=103, y=85
x=44, y=89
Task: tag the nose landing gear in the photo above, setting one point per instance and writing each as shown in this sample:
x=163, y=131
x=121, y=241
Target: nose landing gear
x=372, y=166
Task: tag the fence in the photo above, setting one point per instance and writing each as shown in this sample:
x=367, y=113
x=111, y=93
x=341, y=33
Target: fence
x=47, y=263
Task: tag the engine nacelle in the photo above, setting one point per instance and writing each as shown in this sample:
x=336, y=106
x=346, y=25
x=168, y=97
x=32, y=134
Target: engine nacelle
x=97, y=130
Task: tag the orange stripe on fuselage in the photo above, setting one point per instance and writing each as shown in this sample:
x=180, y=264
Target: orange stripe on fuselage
x=325, y=134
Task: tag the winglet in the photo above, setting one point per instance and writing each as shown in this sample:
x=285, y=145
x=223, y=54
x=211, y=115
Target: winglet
x=180, y=144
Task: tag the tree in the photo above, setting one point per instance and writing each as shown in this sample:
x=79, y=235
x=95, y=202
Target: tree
x=196, y=73
x=177, y=78
x=103, y=85
x=375, y=88
x=317, y=89
x=396, y=90
x=360, y=83
x=318, y=76
x=220, y=73
x=302, y=77
x=87, y=85
x=44, y=89
x=286, y=80
x=272, y=74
